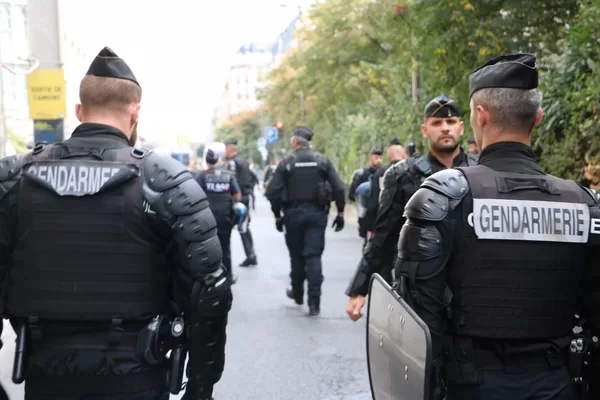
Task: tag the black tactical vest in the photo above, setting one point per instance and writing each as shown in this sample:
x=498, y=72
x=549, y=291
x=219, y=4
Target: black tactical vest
x=85, y=248
x=520, y=273
x=241, y=168
x=218, y=185
x=304, y=176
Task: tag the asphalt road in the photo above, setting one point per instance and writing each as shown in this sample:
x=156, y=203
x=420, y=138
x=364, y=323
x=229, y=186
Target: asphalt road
x=274, y=350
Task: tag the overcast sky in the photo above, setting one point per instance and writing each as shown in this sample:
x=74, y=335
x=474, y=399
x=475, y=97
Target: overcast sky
x=179, y=50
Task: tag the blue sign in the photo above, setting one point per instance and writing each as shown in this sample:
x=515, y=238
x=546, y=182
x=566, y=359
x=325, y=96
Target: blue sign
x=271, y=134
x=261, y=143
x=48, y=130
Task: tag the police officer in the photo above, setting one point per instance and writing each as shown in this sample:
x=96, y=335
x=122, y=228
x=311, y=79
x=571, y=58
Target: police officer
x=303, y=187
x=503, y=246
x=241, y=168
x=105, y=238
x=442, y=127
x=472, y=146
x=360, y=176
x=395, y=153
x=222, y=190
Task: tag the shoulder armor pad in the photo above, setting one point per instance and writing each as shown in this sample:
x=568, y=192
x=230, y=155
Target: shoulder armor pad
x=427, y=205
x=358, y=172
x=395, y=172
x=140, y=152
x=163, y=173
x=449, y=182
x=10, y=167
x=595, y=196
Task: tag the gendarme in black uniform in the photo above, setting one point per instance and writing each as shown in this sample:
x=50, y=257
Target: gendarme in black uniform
x=220, y=186
x=101, y=238
x=303, y=186
x=505, y=247
x=400, y=182
x=241, y=168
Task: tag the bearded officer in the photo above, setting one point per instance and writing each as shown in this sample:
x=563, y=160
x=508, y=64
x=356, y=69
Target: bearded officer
x=303, y=186
x=492, y=257
x=442, y=127
x=241, y=168
x=105, y=238
x=222, y=190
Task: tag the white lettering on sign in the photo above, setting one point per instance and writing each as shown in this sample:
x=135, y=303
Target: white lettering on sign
x=542, y=221
x=73, y=179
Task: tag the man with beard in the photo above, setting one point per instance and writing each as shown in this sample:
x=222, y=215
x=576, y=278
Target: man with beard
x=363, y=175
x=443, y=128
x=104, y=246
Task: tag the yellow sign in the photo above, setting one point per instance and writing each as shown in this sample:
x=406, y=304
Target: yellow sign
x=46, y=88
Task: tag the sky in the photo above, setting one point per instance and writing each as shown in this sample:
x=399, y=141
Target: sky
x=180, y=50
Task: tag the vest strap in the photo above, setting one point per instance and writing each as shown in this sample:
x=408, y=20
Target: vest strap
x=33, y=323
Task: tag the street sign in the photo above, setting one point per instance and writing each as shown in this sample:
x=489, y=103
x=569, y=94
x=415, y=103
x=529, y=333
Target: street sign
x=271, y=134
x=261, y=143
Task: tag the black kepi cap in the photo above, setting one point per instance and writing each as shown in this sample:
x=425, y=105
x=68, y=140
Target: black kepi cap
x=304, y=132
x=211, y=157
x=441, y=107
x=377, y=151
x=395, y=142
x=232, y=141
x=108, y=65
x=509, y=71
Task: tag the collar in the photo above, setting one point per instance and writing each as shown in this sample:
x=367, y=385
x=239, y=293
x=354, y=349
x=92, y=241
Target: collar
x=459, y=160
x=106, y=133
x=508, y=156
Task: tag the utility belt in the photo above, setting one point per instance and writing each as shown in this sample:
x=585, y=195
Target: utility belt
x=151, y=343
x=465, y=357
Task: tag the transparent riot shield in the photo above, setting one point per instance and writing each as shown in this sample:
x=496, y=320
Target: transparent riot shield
x=398, y=346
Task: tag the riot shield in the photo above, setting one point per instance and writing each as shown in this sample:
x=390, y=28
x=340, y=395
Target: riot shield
x=398, y=346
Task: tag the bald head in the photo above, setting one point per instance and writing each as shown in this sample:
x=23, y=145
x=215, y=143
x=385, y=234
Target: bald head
x=396, y=153
x=108, y=94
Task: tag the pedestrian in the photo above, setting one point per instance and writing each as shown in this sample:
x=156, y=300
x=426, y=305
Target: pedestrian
x=442, y=127
x=222, y=190
x=493, y=257
x=302, y=187
x=360, y=176
x=241, y=168
x=107, y=245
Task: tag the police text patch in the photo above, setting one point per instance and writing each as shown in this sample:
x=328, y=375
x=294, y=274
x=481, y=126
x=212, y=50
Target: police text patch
x=79, y=178
x=542, y=221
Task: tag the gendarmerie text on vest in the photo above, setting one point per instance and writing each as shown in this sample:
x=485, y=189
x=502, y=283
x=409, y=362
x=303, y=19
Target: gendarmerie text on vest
x=76, y=178
x=530, y=220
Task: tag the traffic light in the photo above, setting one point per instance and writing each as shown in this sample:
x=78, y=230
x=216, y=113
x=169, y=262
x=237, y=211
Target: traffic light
x=279, y=125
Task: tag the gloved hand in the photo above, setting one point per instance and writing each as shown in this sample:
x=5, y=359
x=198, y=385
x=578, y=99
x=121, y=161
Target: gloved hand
x=338, y=223
x=200, y=394
x=3, y=394
x=279, y=224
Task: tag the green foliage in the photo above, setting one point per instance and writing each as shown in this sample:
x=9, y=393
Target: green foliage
x=19, y=143
x=355, y=61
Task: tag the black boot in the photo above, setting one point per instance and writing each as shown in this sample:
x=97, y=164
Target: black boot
x=249, y=262
x=298, y=299
x=314, y=306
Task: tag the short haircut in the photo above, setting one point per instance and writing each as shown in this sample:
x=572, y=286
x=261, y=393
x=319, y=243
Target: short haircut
x=112, y=93
x=510, y=108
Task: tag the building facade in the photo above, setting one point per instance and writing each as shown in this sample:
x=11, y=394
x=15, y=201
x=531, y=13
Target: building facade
x=245, y=78
x=14, y=52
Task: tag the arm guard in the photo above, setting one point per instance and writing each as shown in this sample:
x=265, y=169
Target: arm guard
x=387, y=225
x=177, y=199
x=10, y=173
x=424, y=248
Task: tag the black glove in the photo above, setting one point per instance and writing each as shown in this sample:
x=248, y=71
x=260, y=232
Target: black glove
x=338, y=223
x=3, y=394
x=439, y=390
x=279, y=224
x=200, y=394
